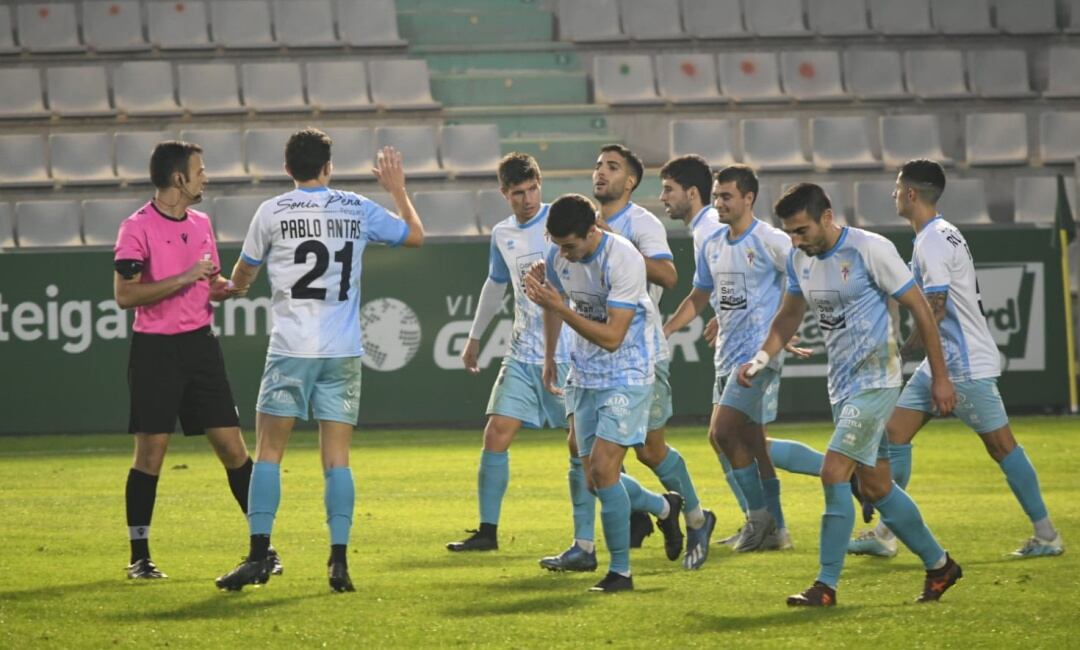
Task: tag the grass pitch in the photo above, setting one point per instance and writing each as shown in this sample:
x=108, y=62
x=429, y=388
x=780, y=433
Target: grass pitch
x=64, y=547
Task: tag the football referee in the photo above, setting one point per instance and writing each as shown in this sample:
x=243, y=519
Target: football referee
x=167, y=270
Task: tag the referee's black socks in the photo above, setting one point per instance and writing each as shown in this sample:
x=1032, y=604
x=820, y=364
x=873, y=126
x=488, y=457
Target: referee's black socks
x=239, y=482
x=139, y=496
x=338, y=555
x=260, y=547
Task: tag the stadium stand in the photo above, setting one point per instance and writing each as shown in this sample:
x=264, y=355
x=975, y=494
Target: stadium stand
x=47, y=224
x=710, y=139
x=688, y=78
x=841, y=143
x=82, y=158
x=644, y=20
x=452, y=212
x=48, y=27
x=145, y=88
x=996, y=139
x=7, y=226
x=101, y=218
x=22, y=160
x=1026, y=16
x=338, y=86
x=875, y=75
x=241, y=24
x=305, y=24
x=78, y=91
x=908, y=18
x=773, y=144
x=133, y=149
x=709, y=19
x=812, y=75
x=747, y=77
x=837, y=17
x=22, y=95
x=1059, y=136
x=232, y=216
x=7, y=35
x=470, y=149
x=936, y=74
x=1035, y=198
x=961, y=17
x=178, y=25
x=209, y=88
x=999, y=73
x=417, y=145
x=625, y=79
x=964, y=201
x=265, y=151
x=223, y=152
x=491, y=207
x=906, y=137
x=273, y=87
x=1064, y=71
x=113, y=26
x=401, y=84
x=368, y=23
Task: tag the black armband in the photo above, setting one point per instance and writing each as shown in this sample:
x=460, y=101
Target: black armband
x=128, y=268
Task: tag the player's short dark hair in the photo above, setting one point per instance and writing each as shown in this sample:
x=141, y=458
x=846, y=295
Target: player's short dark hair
x=743, y=176
x=637, y=168
x=926, y=177
x=571, y=214
x=803, y=196
x=516, y=168
x=306, y=153
x=690, y=171
x=169, y=157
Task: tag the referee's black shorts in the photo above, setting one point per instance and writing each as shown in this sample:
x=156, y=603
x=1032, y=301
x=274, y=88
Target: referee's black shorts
x=179, y=375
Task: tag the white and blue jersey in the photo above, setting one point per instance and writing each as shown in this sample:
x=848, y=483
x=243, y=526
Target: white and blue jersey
x=942, y=263
x=612, y=276
x=515, y=247
x=848, y=288
x=312, y=240
x=647, y=233
x=703, y=225
x=745, y=280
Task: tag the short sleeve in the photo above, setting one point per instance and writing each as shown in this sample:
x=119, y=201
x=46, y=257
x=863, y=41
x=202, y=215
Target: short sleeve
x=257, y=241
x=130, y=242
x=497, y=269
x=549, y=265
x=628, y=283
x=383, y=226
x=886, y=267
x=702, y=276
x=778, y=246
x=934, y=255
x=793, y=285
x=650, y=238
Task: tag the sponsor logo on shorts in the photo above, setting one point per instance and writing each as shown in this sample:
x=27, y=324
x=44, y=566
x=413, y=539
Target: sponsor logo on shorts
x=850, y=411
x=282, y=397
x=849, y=439
x=277, y=378
x=620, y=407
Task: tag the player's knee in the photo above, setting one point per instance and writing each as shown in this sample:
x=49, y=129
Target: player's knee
x=999, y=443
x=651, y=455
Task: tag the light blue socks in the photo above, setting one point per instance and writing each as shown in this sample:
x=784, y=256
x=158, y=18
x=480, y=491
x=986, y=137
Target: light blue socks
x=793, y=456
x=900, y=464
x=674, y=476
x=584, y=502
x=903, y=518
x=1020, y=474
x=729, y=476
x=642, y=500
x=750, y=483
x=264, y=497
x=836, y=526
x=771, y=489
x=615, y=517
x=340, y=498
x=491, y=482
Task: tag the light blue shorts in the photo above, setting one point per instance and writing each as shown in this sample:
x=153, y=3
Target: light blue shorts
x=860, y=425
x=660, y=408
x=758, y=402
x=978, y=402
x=329, y=388
x=619, y=415
x=519, y=393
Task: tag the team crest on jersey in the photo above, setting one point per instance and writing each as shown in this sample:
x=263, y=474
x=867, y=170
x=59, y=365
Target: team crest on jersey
x=750, y=258
x=845, y=271
x=510, y=244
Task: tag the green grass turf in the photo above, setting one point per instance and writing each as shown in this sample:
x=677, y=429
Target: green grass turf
x=64, y=547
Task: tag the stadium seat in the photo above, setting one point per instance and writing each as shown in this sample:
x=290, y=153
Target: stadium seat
x=996, y=138
x=178, y=25
x=841, y=143
x=101, y=219
x=1035, y=198
x=961, y=17
x=874, y=74
x=1073, y=26
x=964, y=201
x=338, y=86
x=589, y=21
x=22, y=93
x=645, y=20
x=750, y=77
x=837, y=17
x=48, y=27
x=491, y=207
x=1027, y=16
x=812, y=75
x=401, y=84
x=22, y=160
x=874, y=204
x=1059, y=137
x=273, y=87
x=7, y=226
x=353, y=151
x=82, y=158
x=775, y=17
x=447, y=212
x=304, y=23
x=714, y=19
x=47, y=223
x=911, y=17
x=232, y=216
x=763, y=202
x=417, y=147
x=368, y=23
x=773, y=144
x=145, y=88
x=624, y=79
x=240, y=24
x=471, y=149
x=133, y=149
x=113, y=26
x=999, y=73
x=710, y=139
x=78, y=91
x=688, y=78
x=223, y=152
x=1064, y=72
x=907, y=137
x=7, y=34
x=935, y=74
x=265, y=150
x=209, y=88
